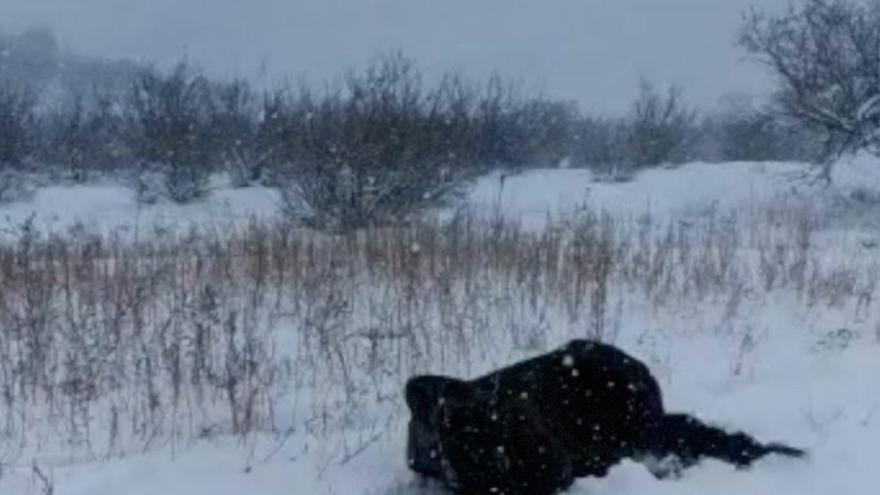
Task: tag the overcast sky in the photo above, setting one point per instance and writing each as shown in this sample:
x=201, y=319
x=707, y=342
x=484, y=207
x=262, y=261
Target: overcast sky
x=590, y=50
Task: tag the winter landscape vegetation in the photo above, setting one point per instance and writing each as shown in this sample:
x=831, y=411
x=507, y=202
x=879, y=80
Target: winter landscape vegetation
x=219, y=285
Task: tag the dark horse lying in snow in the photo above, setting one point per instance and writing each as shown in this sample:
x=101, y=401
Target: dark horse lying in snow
x=531, y=428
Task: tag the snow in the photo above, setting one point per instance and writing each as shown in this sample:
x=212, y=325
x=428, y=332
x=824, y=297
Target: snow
x=529, y=197
x=112, y=209
x=858, y=173
x=826, y=402
x=778, y=368
x=696, y=187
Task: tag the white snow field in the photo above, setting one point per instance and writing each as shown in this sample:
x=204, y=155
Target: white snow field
x=785, y=348
x=109, y=209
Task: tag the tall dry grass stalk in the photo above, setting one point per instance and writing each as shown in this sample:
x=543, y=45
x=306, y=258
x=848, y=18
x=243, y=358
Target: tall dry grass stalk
x=108, y=345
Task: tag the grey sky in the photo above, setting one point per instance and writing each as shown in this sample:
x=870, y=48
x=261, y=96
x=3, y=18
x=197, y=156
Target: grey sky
x=590, y=50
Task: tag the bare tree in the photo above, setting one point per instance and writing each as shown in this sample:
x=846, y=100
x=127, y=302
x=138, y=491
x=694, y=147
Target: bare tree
x=81, y=135
x=745, y=129
x=18, y=123
x=825, y=56
x=602, y=145
x=663, y=127
x=233, y=129
x=167, y=125
x=380, y=148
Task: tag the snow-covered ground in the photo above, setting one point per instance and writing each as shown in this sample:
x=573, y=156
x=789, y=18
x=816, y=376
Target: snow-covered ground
x=108, y=208
x=774, y=364
x=790, y=388
x=530, y=197
x=694, y=187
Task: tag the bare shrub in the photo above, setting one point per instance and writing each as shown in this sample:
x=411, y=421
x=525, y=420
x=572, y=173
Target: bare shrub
x=233, y=127
x=373, y=152
x=824, y=55
x=659, y=130
x=83, y=137
x=745, y=131
x=167, y=123
x=602, y=144
x=18, y=123
x=663, y=128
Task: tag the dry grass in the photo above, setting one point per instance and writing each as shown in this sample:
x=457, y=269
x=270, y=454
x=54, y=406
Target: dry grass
x=108, y=345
